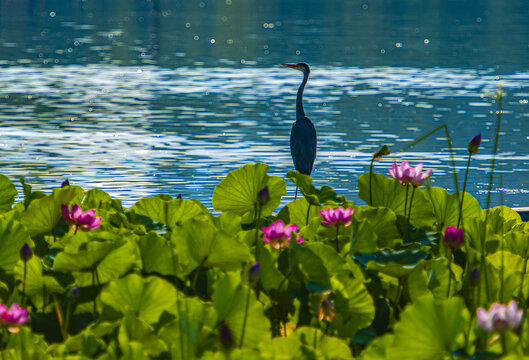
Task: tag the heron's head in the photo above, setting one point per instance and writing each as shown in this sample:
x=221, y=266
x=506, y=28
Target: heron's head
x=299, y=66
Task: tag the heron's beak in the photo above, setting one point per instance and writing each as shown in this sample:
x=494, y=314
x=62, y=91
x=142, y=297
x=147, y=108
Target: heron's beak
x=292, y=66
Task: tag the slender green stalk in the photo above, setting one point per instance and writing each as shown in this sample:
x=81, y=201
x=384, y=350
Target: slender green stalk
x=43, y=297
x=397, y=298
x=308, y=212
x=371, y=182
x=94, y=284
x=195, y=278
x=463, y=194
x=491, y=177
x=283, y=281
x=502, y=270
x=245, y=316
x=67, y=320
x=449, y=142
x=22, y=301
x=411, y=203
x=524, y=270
x=449, y=254
x=336, y=243
x=178, y=311
x=406, y=199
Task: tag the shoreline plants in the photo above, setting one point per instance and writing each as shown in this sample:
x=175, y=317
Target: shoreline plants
x=408, y=276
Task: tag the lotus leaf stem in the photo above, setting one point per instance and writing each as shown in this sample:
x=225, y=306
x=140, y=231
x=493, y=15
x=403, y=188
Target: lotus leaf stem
x=245, y=316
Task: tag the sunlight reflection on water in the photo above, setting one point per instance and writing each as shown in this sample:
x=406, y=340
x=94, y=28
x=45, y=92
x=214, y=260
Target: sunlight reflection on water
x=138, y=133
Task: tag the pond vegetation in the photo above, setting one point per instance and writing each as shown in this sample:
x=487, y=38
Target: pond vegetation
x=414, y=274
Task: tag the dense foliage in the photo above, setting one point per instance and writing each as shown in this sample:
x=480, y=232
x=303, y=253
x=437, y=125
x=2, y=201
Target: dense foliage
x=168, y=279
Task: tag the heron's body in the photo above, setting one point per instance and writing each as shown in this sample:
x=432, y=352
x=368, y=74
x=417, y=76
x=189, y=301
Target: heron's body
x=303, y=138
x=303, y=145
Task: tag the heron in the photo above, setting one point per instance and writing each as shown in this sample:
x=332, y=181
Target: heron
x=303, y=138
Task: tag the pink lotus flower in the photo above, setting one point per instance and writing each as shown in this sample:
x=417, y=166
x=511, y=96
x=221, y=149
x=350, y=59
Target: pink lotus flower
x=337, y=217
x=397, y=172
x=453, y=237
x=13, y=317
x=416, y=176
x=499, y=317
x=278, y=235
x=79, y=219
x=406, y=174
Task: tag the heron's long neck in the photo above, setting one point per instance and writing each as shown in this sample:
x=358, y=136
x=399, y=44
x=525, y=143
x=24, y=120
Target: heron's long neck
x=299, y=100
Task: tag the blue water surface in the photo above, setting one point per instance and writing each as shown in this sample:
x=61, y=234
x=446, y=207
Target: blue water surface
x=147, y=97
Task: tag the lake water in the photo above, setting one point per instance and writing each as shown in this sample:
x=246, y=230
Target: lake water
x=147, y=97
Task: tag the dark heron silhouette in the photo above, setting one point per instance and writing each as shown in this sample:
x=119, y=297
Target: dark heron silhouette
x=303, y=138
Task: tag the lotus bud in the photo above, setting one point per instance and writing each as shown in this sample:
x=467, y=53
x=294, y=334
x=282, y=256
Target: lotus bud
x=225, y=336
x=73, y=294
x=473, y=277
x=383, y=151
x=263, y=196
x=26, y=253
x=473, y=145
x=254, y=273
x=453, y=238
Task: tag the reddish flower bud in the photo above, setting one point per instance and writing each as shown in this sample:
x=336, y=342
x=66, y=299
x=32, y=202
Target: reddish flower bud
x=26, y=253
x=453, y=238
x=473, y=145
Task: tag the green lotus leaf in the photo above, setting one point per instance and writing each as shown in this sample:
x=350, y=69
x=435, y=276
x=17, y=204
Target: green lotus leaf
x=25, y=345
x=231, y=299
x=295, y=212
x=446, y=207
x=99, y=199
x=390, y=193
x=13, y=236
x=238, y=191
x=135, y=331
x=502, y=219
x=417, y=283
x=106, y=260
x=157, y=255
x=429, y=329
x=8, y=191
x=312, y=271
x=282, y=348
x=267, y=256
x=37, y=284
x=89, y=341
x=511, y=277
x=516, y=242
x=43, y=214
x=170, y=212
x=373, y=229
x=331, y=260
x=438, y=278
x=314, y=195
x=199, y=242
x=235, y=354
x=355, y=308
x=378, y=348
x=229, y=222
x=147, y=298
x=394, y=263
x=192, y=331
x=325, y=347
